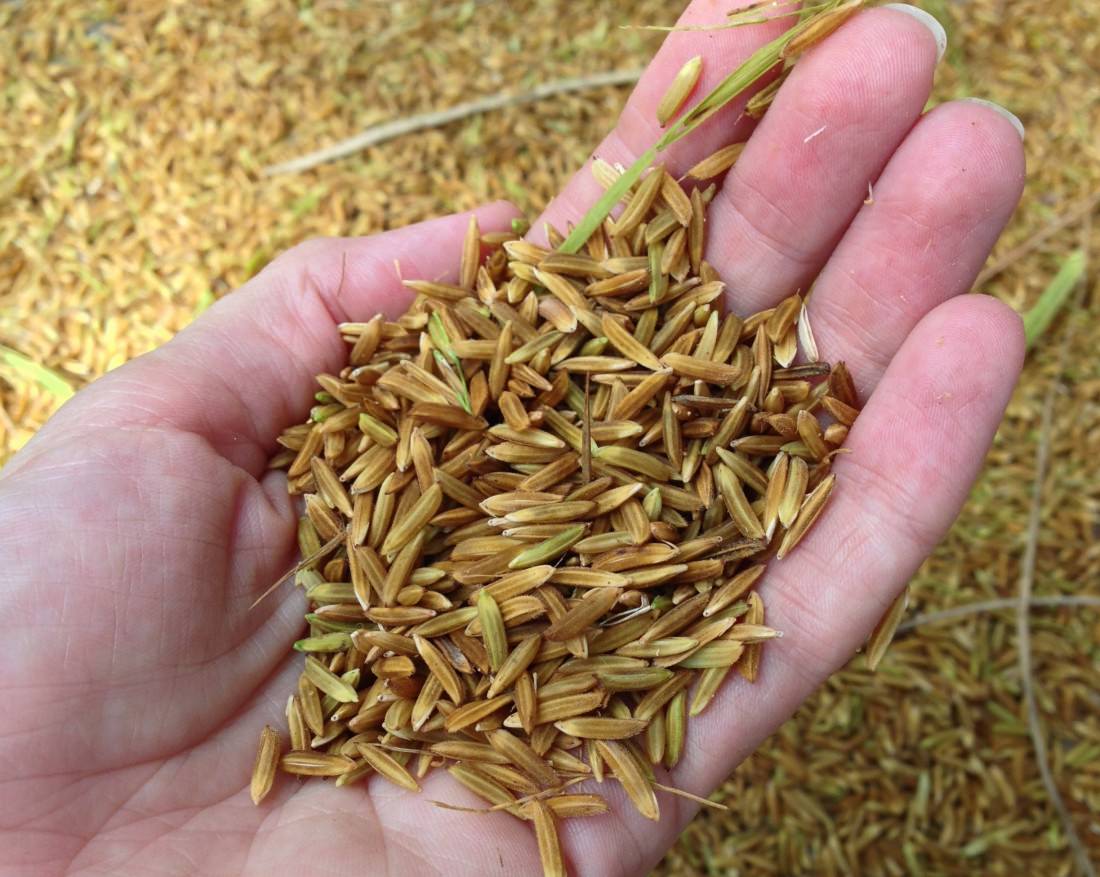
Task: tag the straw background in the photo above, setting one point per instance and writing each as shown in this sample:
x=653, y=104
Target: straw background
x=132, y=138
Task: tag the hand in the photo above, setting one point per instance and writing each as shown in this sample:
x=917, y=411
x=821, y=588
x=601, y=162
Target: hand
x=137, y=528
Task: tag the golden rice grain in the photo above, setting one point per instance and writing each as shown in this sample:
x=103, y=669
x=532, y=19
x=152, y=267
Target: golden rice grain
x=267, y=760
x=515, y=584
x=750, y=666
x=716, y=163
x=315, y=764
x=549, y=550
x=435, y=625
x=752, y=632
x=702, y=369
x=590, y=578
x=481, y=785
x=680, y=205
x=655, y=739
x=440, y=668
x=527, y=702
x=627, y=344
x=296, y=725
x=414, y=520
x=492, y=630
x=329, y=682
x=675, y=722
x=400, y=569
x=709, y=682
x=309, y=704
x=601, y=728
x=809, y=430
x=554, y=512
x=592, y=606
x=473, y=712
x=634, y=782
x=547, y=836
x=564, y=707
x=883, y=634
x=523, y=757
x=794, y=491
x=737, y=504
x=820, y=28
x=723, y=653
x=683, y=83
x=386, y=765
x=640, y=203
x=360, y=771
x=634, y=680
x=471, y=255
x=811, y=508
x=657, y=697
x=733, y=589
x=572, y=806
x=329, y=486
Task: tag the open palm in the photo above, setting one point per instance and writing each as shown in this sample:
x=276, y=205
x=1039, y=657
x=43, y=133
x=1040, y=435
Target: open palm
x=137, y=528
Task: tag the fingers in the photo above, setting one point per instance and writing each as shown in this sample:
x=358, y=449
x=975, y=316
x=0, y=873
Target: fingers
x=937, y=210
x=915, y=451
x=637, y=128
x=246, y=368
x=804, y=173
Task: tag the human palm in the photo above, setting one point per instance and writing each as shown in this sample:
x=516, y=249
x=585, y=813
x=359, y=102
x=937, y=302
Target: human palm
x=141, y=523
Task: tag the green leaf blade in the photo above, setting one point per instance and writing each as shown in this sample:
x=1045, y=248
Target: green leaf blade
x=746, y=75
x=27, y=368
x=1054, y=297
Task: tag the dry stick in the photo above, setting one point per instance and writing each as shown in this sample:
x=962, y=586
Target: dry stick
x=994, y=605
x=398, y=127
x=698, y=799
x=1023, y=628
x=1082, y=210
x=300, y=565
x=496, y=808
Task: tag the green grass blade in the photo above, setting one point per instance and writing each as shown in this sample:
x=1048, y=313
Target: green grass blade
x=1054, y=297
x=599, y=211
x=751, y=71
x=46, y=378
x=438, y=333
x=461, y=390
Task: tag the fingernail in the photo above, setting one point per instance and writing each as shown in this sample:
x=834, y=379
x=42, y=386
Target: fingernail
x=997, y=108
x=928, y=20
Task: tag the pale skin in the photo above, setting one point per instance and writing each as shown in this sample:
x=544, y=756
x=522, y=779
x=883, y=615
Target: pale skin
x=140, y=524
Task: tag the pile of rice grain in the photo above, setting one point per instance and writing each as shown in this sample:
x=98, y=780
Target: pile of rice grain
x=536, y=509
